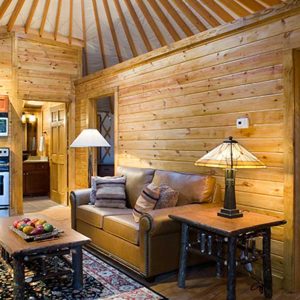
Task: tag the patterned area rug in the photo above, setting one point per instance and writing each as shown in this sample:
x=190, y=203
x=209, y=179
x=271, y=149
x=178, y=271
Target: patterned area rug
x=101, y=281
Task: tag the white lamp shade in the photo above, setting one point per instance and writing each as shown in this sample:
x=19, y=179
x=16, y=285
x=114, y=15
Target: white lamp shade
x=90, y=138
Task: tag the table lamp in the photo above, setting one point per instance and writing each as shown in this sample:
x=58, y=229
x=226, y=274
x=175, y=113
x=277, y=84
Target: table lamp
x=230, y=155
x=89, y=138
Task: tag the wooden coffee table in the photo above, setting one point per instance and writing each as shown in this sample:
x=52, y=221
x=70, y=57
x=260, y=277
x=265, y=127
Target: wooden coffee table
x=21, y=251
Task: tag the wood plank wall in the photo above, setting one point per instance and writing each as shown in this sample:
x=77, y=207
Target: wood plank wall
x=175, y=108
x=33, y=69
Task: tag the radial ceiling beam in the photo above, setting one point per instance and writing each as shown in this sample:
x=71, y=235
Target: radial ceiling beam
x=112, y=30
x=253, y=5
x=164, y=20
x=203, y=12
x=4, y=6
x=14, y=15
x=57, y=18
x=125, y=27
x=99, y=31
x=44, y=17
x=190, y=15
x=239, y=10
x=71, y=22
x=84, y=36
x=31, y=14
x=138, y=25
x=176, y=17
x=151, y=22
x=215, y=7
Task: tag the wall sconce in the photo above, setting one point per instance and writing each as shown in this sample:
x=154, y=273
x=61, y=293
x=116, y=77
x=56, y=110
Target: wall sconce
x=23, y=119
x=32, y=118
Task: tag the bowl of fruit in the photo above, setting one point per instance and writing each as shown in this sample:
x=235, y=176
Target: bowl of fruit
x=34, y=229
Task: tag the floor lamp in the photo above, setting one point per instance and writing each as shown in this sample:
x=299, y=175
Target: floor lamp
x=230, y=155
x=90, y=138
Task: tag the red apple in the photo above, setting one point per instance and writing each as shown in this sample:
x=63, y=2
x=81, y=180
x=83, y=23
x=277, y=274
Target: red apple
x=15, y=224
x=30, y=223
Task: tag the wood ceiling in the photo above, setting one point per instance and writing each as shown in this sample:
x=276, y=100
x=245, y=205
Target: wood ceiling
x=115, y=30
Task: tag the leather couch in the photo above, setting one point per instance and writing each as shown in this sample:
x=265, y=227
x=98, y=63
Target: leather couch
x=150, y=247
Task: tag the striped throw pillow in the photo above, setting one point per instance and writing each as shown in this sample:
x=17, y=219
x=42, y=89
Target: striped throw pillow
x=146, y=201
x=110, y=192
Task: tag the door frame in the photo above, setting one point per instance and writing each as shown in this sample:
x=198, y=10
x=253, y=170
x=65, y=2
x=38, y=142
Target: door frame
x=92, y=121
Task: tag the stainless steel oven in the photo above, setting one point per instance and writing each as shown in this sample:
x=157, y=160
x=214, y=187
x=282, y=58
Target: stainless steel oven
x=4, y=182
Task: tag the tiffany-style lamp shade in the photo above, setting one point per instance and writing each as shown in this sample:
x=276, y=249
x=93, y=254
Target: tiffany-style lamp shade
x=230, y=155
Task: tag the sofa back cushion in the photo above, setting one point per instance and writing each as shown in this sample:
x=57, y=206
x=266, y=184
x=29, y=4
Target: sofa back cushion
x=192, y=188
x=136, y=179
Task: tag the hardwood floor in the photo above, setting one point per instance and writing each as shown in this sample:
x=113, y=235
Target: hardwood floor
x=201, y=281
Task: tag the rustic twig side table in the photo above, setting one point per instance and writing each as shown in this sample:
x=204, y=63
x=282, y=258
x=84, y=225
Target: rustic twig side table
x=221, y=237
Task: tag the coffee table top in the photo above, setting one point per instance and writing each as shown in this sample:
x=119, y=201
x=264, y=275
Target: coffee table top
x=15, y=245
x=207, y=218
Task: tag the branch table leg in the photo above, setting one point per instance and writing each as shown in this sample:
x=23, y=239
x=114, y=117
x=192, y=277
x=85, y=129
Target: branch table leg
x=267, y=263
x=183, y=254
x=77, y=267
x=19, y=278
x=231, y=267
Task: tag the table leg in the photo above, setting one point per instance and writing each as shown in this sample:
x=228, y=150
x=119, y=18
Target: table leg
x=77, y=267
x=231, y=268
x=267, y=269
x=219, y=257
x=19, y=278
x=183, y=255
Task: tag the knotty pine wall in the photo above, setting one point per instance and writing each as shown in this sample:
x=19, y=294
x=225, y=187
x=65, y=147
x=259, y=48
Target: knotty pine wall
x=33, y=69
x=174, y=108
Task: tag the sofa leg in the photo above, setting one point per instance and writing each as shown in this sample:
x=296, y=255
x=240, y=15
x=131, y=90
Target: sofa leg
x=150, y=279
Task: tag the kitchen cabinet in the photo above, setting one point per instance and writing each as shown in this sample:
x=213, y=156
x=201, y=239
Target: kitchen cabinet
x=36, y=179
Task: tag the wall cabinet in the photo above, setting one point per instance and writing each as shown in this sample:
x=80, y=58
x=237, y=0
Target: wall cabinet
x=36, y=179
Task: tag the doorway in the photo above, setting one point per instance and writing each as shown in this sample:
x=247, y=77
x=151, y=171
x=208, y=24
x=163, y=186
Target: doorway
x=105, y=120
x=45, y=160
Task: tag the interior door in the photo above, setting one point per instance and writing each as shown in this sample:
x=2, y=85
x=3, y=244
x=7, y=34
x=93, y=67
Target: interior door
x=58, y=155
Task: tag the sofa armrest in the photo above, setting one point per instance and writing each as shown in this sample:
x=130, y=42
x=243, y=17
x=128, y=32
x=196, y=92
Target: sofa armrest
x=157, y=222
x=77, y=198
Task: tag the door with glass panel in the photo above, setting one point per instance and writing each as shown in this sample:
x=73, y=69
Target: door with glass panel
x=58, y=155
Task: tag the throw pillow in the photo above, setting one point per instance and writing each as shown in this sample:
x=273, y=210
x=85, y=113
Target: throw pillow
x=146, y=201
x=110, y=192
x=93, y=189
x=167, y=198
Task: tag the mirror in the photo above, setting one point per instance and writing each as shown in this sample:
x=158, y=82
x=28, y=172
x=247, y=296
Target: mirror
x=30, y=126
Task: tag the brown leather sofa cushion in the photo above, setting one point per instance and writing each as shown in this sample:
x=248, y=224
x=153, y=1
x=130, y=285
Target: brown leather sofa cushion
x=122, y=226
x=95, y=215
x=192, y=188
x=136, y=178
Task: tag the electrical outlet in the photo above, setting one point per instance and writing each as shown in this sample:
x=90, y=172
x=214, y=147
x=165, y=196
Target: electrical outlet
x=242, y=123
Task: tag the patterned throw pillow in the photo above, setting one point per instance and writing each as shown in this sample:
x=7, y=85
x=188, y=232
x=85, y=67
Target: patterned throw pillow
x=93, y=190
x=167, y=198
x=146, y=201
x=110, y=192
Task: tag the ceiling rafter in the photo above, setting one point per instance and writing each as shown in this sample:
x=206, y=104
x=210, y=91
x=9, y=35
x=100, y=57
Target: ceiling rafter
x=84, y=36
x=126, y=29
x=112, y=30
x=14, y=15
x=215, y=7
x=164, y=20
x=71, y=22
x=253, y=5
x=151, y=22
x=99, y=31
x=176, y=17
x=44, y=18
x=235, y=7
x=31, y=14
x=203, y=13
x=190, y=15
x=57, y=18
x=138, y=25
x=4, y=6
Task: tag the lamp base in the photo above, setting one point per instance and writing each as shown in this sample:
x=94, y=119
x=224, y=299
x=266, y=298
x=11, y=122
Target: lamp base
x=230, y=213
